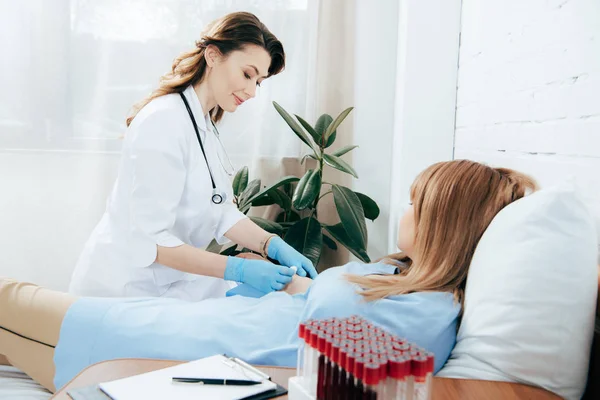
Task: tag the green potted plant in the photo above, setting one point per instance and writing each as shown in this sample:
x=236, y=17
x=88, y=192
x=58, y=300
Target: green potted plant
x=298, y=222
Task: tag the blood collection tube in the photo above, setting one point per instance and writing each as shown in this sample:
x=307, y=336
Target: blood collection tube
x=336, y=370
x=302, y=350
x=371, y=377
x=342, y=379
x=314, y=360
x=321, y=369
x=419, y=368
x=327, y=378
x=382, y=360
x=309, y=332
x=346, y=359
x=359, y=367
x=302, y=363
x=396, y=386
x=350, y=371
x=425, y=388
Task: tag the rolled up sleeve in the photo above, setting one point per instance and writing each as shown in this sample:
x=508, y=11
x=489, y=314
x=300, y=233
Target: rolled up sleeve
x=158, y=172
x=229, y=217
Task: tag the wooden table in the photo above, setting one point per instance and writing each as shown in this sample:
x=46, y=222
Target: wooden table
x=443, y=388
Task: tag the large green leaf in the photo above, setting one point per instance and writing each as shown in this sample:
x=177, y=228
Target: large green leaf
x=321, y=126
x=343, y=150
x=340, y=164
x=283, y=181
x=331, y=139
x=262, y=201
x=280, y=198
x=307, y=189
x=269, y=226
x=322, y=123
x=315, y=135
x=288, y=188
x=240, y=182
x=338, y=232
x=334, y=125
x=306, y=237
x=247, y=195
x=296, y=128
x=351, y=214
x=370, y=208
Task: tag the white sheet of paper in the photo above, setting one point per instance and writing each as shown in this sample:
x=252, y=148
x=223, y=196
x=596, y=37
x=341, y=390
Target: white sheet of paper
x=157, y=385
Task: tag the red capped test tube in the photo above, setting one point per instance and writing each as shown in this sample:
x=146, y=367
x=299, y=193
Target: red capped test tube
x=397, y=382
x=422, y=371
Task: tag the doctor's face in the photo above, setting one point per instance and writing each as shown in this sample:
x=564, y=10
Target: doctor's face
x=235, y=77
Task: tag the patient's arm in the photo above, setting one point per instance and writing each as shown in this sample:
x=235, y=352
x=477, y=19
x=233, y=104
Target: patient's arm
x=299, y=284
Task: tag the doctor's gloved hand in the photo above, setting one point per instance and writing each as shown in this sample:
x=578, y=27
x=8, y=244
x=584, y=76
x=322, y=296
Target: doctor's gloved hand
x=262, y=275
x=286, y=255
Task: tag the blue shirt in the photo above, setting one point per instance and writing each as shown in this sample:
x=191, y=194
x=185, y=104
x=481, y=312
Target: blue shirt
x=258, y=330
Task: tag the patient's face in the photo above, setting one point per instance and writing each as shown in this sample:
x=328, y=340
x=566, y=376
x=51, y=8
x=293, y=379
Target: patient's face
x=406, y=231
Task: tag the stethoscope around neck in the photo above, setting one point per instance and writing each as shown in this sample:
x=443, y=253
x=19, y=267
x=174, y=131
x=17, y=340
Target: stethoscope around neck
x=218, y=196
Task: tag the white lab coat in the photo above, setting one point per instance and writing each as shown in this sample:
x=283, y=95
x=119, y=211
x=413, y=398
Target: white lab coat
x=162, y=196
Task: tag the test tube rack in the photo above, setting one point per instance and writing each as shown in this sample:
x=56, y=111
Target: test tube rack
x=352, y=359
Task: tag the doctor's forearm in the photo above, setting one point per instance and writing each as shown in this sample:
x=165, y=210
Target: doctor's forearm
x=247, y=234
x=187, y=258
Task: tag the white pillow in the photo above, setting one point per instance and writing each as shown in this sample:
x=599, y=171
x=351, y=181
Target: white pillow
x=531, y=296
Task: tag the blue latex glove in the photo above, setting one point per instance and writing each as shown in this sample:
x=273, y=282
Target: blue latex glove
x=286, y=255
x=262, y=275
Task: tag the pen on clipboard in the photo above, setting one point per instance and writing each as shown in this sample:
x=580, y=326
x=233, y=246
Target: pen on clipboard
x=248, y=367
x=213, y=381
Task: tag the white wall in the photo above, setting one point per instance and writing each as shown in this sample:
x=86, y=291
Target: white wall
x=50, y=202
x=529, y=89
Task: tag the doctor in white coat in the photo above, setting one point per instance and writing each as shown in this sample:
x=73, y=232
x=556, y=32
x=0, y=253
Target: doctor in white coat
x=173, y=195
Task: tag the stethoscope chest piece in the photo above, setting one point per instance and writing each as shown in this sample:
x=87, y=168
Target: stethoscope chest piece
x=218, y=197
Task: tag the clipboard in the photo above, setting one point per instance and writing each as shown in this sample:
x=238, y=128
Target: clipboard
x=157, y=384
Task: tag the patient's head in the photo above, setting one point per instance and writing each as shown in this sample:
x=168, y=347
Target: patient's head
x=453, y=203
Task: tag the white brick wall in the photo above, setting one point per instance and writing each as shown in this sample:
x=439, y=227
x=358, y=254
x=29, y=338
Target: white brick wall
x=529, y=89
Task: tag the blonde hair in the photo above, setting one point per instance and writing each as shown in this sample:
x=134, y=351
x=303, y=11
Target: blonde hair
x=454, y=202
x=229, y=33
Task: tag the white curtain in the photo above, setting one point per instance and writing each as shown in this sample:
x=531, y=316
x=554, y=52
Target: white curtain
x=69, y=72
x=71, y=69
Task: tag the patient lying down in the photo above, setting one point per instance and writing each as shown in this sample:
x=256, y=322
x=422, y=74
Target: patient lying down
x=52, y=336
